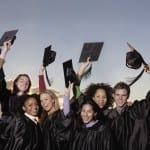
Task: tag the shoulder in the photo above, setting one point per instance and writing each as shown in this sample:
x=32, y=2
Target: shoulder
x=112, y=113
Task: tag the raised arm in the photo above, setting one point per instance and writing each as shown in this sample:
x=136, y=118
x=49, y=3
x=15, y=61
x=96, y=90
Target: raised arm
x=80, y=73
x=82, y=68
x=4, y=92
x=5, y=48
x=66, y=100
x=42, y=86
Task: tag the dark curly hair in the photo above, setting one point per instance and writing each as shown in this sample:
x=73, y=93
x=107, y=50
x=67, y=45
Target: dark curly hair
x=92, y=88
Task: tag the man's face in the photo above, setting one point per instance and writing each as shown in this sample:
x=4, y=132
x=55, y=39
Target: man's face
x=120, y=97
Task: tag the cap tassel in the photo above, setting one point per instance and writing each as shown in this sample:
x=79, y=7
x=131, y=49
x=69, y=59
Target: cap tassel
x=136, y=78
x=133, y=49
x=48, y=80
x=134, y=65
x=130, y=46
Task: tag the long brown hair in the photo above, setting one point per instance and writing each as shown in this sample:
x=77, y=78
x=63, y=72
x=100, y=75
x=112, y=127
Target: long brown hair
x=15, y=88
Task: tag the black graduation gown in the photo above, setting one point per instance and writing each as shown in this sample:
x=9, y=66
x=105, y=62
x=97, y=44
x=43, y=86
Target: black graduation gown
x=97, y=137
x=4, y=95
x=19, y=133
x=56, y=132
x=148, y=124
x=76, y=103
x=10, y=102
x=130, y=127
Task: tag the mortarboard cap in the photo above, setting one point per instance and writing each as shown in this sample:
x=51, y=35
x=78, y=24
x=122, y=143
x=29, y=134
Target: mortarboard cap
x=69, y=73
x=8, y=35
x=49, y=56
x=134, y=60
x=92, y=50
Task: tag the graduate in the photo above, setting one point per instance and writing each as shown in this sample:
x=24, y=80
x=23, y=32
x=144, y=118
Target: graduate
x=101, y=93
x=10, y=100
x=55, y=126
x=54, y=121
x=22, y=132
x=91, y=130
x=129, y=123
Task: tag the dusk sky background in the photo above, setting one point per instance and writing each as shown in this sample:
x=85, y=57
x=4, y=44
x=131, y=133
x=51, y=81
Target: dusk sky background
x=66, y=25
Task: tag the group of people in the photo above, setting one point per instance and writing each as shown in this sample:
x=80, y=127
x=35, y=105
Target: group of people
x=88, y=120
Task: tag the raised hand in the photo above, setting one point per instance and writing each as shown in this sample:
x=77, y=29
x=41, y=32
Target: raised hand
x=6, y=47
x=83, y=67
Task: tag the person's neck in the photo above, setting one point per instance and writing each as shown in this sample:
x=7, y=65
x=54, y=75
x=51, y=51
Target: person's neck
x=120, y=109
x=30, y=115
x=20, y=93
x=51, y=111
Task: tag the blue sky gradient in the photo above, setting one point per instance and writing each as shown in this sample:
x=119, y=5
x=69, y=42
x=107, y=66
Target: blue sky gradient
x=66, y=25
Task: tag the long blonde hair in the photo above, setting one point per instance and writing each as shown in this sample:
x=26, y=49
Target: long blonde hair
x=55, y=107
x=53, y=97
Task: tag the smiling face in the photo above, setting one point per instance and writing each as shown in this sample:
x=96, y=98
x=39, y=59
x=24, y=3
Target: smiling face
x=100, y=97
x=22, y=83
x=87, y=113
x=31, y=106
x=121, y=93
x=47, y=102
x=120, y=97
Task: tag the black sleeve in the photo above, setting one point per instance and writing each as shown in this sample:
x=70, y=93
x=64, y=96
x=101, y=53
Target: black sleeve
x=4, y=93
x=6, y=126
x=2, y=75
x=131, y=128
x=140, y=109
x=57, y=132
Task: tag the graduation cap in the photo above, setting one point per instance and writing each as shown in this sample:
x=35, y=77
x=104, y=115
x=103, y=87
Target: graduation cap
x=8, y=35
x=92, y=50
x=134, y=60
x=48, y=58
x=69, y=73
